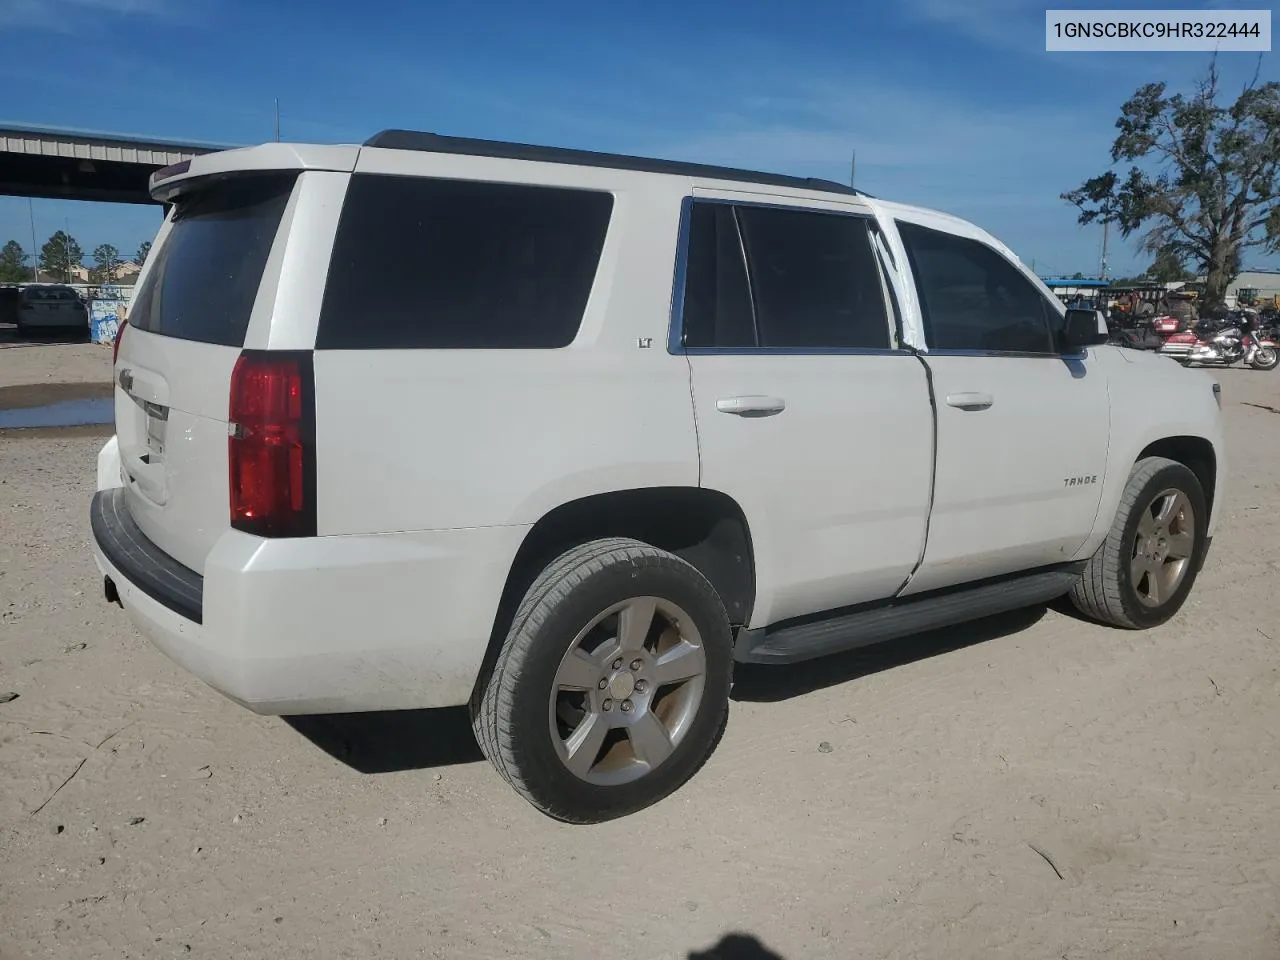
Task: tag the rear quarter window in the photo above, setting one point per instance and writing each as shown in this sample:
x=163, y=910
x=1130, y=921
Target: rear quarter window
x=453, y=264
x=206, y=274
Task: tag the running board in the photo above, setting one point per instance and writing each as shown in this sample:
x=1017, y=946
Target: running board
x=796, y=640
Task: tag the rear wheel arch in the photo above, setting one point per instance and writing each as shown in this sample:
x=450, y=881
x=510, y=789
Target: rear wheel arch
x=705, y=528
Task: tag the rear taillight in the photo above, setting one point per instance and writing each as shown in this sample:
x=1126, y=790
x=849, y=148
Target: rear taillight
x=115, y=341
x=271, y=444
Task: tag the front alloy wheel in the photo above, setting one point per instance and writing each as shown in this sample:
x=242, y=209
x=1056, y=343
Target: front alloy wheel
x=1264, y=358
x=1162, y=548
x=1142, y=573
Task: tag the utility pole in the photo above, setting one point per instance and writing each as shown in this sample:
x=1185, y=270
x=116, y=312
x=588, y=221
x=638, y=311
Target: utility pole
x=277, y=119
x=35, y=251
x=1105, y=227
x=66, y=246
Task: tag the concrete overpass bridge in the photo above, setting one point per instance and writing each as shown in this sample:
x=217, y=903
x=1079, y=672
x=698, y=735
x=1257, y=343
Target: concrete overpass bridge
x=55, y=163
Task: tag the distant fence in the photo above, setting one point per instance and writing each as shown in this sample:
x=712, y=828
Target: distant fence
x=108, y=305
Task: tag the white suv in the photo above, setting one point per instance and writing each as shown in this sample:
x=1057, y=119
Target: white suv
x=561, y=435
x=51, y=305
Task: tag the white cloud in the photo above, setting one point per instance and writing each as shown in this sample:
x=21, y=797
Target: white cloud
x=905, y=140
x=1001, y=165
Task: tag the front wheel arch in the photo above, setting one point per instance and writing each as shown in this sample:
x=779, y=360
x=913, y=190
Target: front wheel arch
x=1195, y=453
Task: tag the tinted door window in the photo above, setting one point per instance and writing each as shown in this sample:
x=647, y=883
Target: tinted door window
x=814, y=279
x=972, y=298
x=717, y=301
x=207, y=272
x=427, y=263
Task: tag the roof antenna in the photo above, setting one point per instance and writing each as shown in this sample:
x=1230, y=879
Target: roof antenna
x=277, y=119
x=853, y=166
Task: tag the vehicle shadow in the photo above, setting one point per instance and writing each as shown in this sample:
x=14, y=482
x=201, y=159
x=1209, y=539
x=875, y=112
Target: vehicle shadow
x=769, y=683
x=393, y=741
x=736, y=946
x=9, y=339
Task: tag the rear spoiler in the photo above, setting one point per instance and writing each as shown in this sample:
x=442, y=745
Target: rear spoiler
x=168, y=182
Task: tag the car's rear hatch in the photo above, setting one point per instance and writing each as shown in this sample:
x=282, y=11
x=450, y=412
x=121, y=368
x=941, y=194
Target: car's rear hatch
x=210, y=286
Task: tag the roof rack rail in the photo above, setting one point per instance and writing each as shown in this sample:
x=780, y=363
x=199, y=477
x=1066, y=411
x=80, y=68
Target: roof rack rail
x=438, y=143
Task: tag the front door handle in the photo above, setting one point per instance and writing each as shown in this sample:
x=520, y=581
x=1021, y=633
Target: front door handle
x=751, y=406
x=970, y=401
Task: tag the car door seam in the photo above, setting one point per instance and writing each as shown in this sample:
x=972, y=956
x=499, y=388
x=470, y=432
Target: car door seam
x=933, y=468
x=693, y=410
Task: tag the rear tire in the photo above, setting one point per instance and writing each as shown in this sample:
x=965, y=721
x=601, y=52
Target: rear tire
x=612, y=687
x=1144, y=570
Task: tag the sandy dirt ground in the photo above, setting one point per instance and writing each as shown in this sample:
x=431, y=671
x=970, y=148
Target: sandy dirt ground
x=1030, y=786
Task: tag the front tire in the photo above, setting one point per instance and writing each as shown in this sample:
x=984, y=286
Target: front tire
x=612, y=687
x=1144, y=570
x=1265, y=358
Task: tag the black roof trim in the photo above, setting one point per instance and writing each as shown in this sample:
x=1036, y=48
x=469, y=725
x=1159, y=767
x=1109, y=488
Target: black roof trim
x=438, y=143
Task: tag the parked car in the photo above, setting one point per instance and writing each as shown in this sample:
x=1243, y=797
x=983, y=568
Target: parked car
x=638, y=421
x=51, y=307
x=10, y=303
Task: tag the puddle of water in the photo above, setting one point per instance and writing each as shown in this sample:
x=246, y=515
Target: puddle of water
x=67, y=413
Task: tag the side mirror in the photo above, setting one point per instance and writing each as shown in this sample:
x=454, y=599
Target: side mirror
x=1083, y=328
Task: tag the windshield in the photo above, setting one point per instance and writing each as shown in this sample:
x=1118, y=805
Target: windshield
x=49, y=295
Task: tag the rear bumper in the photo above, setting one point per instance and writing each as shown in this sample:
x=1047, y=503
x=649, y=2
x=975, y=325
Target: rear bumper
x=53, y=319
x=321, y=624
x=141, y=562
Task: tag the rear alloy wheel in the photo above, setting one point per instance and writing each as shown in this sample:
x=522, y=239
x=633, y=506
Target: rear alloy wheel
x=634, y=675
x=612, y=687
x=1144, y=570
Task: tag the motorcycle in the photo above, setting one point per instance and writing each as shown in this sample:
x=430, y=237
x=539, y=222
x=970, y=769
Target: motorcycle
x=1238, y=338
x=1135, y=334
x=1177, y=337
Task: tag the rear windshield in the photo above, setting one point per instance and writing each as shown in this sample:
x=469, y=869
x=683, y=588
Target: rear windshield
x=50, y=295
x=206, y=273
x=437, y=264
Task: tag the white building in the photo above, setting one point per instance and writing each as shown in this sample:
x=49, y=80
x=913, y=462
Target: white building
x=1265, y=282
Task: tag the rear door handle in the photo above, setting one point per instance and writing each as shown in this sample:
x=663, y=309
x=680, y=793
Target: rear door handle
x=970, y=401
x=751, y=406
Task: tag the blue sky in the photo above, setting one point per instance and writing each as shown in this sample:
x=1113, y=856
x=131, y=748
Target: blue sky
x=949, y=103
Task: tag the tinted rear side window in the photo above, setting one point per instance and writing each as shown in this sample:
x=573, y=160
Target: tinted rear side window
x=438, y=264
x=206, y=274
x=717, y=300
x=814, y=279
